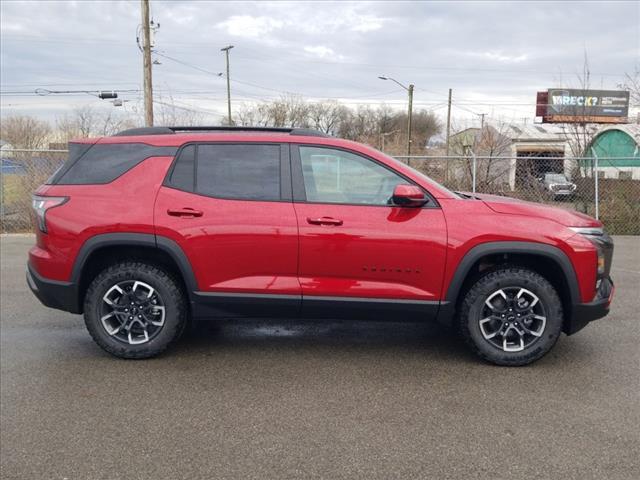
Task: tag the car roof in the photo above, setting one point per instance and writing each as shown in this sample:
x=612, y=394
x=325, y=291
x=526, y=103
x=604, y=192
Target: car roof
x=307, y=132
x=176, y=136
x=179, y=136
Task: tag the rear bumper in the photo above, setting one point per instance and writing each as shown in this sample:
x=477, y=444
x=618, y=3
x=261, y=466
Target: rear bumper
x=583, y=313
x=53, y=293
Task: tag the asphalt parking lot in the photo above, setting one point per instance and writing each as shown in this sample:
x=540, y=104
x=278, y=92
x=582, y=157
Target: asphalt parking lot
x=273, y=399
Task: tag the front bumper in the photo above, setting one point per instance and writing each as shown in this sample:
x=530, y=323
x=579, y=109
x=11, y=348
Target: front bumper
x=583, y=313
x=53, y=293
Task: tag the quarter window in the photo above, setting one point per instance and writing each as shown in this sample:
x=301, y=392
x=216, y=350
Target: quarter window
x=336, y=176
x=247, y=172
x=182, y=176
x=104, y=162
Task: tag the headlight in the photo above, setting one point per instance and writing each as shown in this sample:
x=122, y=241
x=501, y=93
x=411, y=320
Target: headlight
x=594, y=235
x=588, y=231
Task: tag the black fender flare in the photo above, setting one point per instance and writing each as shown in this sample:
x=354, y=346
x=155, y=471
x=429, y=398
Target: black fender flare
x=136, y=239
x=447, y=308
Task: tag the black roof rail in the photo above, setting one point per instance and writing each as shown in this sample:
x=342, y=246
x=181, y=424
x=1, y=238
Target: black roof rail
x=144, y=131
x=171, y=130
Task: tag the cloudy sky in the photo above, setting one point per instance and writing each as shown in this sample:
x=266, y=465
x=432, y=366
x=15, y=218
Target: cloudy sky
x=494, y=55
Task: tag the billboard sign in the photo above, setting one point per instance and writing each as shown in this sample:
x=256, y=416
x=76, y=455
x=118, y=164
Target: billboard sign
x=572, y=105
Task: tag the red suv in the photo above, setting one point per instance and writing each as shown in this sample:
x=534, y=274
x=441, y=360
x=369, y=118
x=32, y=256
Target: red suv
x=153, y=227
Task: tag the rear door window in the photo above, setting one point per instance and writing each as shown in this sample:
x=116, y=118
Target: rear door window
x=241, y=171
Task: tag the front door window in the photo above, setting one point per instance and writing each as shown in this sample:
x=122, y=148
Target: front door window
x=336, y=176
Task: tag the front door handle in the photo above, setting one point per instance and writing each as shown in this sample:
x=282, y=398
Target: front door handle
x=324, y=221
x=184, y=212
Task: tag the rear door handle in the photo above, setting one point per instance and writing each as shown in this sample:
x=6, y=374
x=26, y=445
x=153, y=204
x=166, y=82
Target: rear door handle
x=324, y=221
x=184, y=212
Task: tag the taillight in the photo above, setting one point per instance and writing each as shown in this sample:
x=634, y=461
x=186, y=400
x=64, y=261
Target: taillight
x=41, y=205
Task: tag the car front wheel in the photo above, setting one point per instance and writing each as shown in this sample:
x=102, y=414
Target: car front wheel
x=511, y=316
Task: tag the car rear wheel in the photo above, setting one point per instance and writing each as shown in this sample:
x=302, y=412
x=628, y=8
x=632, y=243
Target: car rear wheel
x=511, y=316
x=135, y=310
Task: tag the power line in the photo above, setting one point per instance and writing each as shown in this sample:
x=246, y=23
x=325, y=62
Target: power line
x=262, y=87
x=188, y=108
x=416, y=67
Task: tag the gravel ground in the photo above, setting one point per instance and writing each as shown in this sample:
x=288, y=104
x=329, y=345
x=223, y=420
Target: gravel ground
x=275, y=399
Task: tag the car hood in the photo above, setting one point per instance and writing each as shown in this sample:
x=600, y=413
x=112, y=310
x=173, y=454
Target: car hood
x=513, y=206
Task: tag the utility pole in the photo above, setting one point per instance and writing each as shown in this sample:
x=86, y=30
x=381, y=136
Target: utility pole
x=448, y=124
x=226, y=51
x=410, y=90
x=146, y=55
x=481, y=121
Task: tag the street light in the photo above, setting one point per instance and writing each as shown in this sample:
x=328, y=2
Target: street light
x=226, y=51
x=409, y=89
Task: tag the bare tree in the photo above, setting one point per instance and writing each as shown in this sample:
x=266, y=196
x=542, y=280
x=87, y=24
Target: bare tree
x=364, y=124
x=361, y=125
x=632, y=84
x=87, y=121
x=424, y=126
x=171, y=113
x=251, y=116
x=22, y=131
x=491, y=145
x=287, y=111
x=326, y=116
x=580, y=133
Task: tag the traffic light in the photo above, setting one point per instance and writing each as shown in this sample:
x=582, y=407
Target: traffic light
x=107, y=95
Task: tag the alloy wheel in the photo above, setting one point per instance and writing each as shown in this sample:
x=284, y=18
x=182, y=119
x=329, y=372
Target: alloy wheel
x=132, y=312
x=512, y=319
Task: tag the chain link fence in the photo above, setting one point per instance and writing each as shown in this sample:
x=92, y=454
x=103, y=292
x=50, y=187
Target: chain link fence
x=608, y=189
x=22, y=172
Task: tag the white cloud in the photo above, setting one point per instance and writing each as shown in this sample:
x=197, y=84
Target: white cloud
x=319, y=50
x=365, y=23
x=506, y=58
x=8, y=27
x=250, y=27
x=499, y=56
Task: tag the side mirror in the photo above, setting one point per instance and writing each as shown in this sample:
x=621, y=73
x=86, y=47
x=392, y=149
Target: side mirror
x=408, y=196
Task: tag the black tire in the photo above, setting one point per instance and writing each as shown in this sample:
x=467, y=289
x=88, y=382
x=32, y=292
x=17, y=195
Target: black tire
x=167, y=288
x=511, y=279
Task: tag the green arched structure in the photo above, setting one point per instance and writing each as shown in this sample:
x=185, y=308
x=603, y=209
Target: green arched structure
x=617, y=146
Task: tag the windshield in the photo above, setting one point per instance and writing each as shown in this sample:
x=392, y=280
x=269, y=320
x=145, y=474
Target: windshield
x=555, y=177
